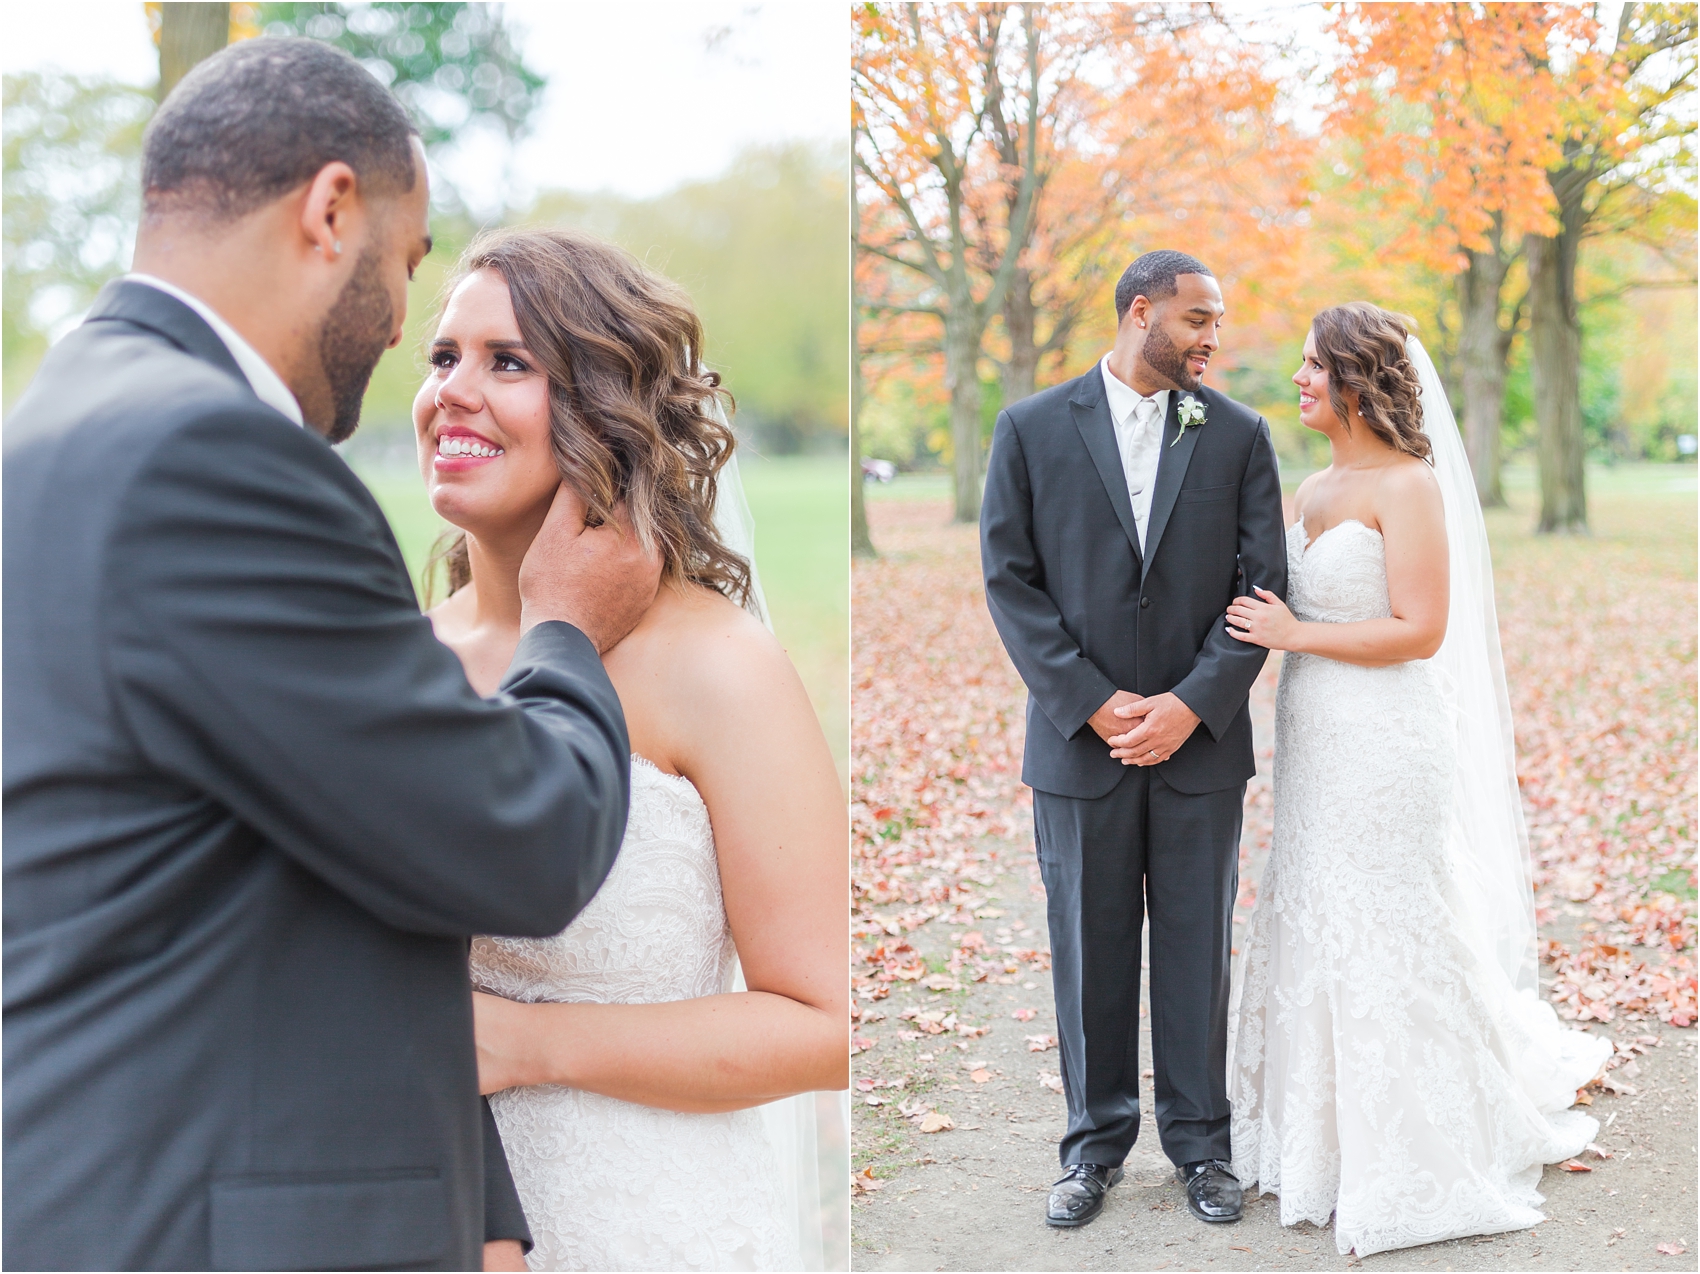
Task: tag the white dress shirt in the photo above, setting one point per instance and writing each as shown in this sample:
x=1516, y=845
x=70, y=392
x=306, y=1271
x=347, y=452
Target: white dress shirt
x=267, y=385
x=1139, y=438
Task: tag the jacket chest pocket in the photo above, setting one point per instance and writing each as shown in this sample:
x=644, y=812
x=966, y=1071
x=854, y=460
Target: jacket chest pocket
x=1206, y=495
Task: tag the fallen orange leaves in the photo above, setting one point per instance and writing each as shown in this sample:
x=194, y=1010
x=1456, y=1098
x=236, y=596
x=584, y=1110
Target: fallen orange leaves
x=1600, y=657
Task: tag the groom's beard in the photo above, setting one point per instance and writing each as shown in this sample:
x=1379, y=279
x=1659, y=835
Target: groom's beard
x=354, y=337
x=1163, y=357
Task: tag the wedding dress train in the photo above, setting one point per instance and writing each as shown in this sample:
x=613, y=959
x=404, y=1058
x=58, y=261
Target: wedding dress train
x=607, y=1184
x=1382, y=1069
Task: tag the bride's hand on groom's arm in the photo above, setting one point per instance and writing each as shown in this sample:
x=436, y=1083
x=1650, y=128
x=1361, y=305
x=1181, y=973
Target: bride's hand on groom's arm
x=1160, y=724
x=1263, y=620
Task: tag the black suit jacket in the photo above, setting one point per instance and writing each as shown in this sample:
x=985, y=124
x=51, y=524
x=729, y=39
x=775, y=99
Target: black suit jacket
x=1083, y=613
x=253, y=812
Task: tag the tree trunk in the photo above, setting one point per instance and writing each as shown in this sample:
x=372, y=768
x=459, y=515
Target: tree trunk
x=962, y=378
x=188, y=33
x=1482, y=349
x=861, y=543
x=1020, y=315
x=1555, y=335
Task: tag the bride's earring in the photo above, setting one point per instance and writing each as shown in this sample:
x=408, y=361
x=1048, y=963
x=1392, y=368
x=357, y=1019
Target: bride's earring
x=337, y=247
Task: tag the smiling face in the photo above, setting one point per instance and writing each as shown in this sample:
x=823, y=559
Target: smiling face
x=1185, y=331
x=482, y=417
x=1316, y=407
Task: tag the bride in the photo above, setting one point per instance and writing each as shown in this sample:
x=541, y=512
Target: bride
x=624, y=1068
x=1390, y=1062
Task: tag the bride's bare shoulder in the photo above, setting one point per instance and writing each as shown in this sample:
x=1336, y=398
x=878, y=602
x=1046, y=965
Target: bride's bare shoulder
x=1409, y=478
x=699, y=642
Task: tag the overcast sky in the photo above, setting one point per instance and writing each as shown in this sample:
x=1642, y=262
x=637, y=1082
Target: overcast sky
x=638, y=100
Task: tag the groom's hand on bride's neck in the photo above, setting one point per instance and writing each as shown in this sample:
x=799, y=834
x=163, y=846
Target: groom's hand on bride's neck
x=599, y=579
x=1105, y=721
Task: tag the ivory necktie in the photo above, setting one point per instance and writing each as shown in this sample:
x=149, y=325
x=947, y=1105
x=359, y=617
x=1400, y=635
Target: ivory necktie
x=1147, y=433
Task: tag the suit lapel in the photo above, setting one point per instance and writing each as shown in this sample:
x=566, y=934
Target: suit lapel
x=131, y=302
x=1171, y=468
x=1091, y=412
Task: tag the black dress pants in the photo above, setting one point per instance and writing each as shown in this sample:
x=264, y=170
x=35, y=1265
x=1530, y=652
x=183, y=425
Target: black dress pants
x=1142, y=848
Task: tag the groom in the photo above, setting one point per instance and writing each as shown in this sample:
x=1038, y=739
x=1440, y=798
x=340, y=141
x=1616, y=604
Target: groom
x=1124, y=510
x=253, y=809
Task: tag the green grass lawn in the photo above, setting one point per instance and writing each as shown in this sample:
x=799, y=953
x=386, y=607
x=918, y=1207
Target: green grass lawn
x=934, y=485
x=802, y=511
x=1615, y=479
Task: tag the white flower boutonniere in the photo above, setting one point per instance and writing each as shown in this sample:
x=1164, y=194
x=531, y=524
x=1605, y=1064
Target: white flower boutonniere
x=1191, y=413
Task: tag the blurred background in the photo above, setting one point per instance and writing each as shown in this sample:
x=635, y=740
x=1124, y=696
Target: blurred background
x=707, y=138
x=1519, y=178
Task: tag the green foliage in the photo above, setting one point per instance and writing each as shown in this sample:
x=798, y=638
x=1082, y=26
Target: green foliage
x=450, y=64
x=900, y=425
x=761, y=251
x=1517, y=415
x=72, y=170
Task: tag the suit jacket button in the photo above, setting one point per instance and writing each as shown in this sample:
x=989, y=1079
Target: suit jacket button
x=1144, y=602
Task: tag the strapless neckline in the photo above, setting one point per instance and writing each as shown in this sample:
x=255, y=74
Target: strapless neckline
x=1299, y=526
x=645, y=765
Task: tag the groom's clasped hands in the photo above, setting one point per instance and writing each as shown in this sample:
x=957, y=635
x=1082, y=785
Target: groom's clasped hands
x=1160, y=725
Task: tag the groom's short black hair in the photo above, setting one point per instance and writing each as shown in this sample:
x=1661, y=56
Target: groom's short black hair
x=1153, y=277
x=262, y=117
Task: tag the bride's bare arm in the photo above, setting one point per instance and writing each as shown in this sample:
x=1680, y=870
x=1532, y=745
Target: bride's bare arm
x=1413, y=532
x=743, y=731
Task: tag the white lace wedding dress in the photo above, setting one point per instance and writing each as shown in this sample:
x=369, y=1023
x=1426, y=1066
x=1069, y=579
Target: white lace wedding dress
x=1381, y=1069
x=606, y=1184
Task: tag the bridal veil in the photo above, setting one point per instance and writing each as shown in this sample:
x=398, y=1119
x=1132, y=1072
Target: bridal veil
x=811, y=1129
x=1487, y=840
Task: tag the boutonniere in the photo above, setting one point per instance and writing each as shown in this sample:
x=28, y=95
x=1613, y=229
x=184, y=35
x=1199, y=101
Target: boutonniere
x=1191, y=413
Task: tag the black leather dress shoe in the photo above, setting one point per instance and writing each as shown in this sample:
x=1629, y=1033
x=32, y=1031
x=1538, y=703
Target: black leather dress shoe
x=1078, y=1196
x=1212, y=1192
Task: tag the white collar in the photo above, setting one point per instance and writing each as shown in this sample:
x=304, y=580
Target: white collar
x=1124, y=398
x=267, y=385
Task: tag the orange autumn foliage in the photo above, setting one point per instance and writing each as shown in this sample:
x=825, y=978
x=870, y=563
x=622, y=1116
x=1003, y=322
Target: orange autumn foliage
x=1458, y=115
x=1156, y=128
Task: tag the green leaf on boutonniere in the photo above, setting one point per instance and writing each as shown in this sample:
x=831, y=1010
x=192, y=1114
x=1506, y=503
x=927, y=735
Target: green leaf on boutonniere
x=1191, y=413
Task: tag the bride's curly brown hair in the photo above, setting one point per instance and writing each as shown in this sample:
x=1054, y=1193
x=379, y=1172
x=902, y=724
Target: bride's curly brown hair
x=629, y=397
x=1362, y=348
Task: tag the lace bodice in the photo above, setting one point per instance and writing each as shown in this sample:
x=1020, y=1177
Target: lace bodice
x=656, y=931
x=1340, y=578
x=1380, y=1070
x=607, y=1184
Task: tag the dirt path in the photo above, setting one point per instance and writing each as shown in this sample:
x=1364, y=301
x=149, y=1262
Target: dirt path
x=937, y=1045
x=973, y=1197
